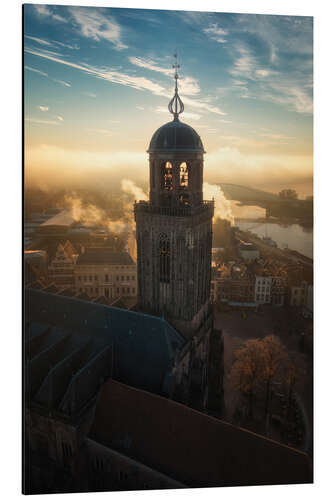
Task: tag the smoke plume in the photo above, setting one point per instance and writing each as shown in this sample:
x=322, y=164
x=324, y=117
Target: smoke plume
x=89, y=214
x=135, y=192
x=223, y=208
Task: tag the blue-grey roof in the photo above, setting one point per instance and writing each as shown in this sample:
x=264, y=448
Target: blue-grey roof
x=104, y=255
x=144, y=345
x=176, y=136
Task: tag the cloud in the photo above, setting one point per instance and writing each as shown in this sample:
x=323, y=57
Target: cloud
x=61, y=19
x=216, y=33
x=244, y=64
x=281, y=70
x=38, y=40
x=89, y=94
x=283, y=35
x=254, y=144
x=239, y=82
x=101, y=131
x=263, y=72
x=60, y=118
x=53, y=43
x=277, y=136
x=151, y=65
x=301, y=100
x=290, y=94
x=289, y=86
x=43, y=10
x=187, y=84
x=66, y=45
x=191, y=116
x=139, y=83
x=92, y=23
x=203, y=105
x=46, y=52
x=35, y=70
x=41, y=122
x=61, y=167
x=44, y=108
x=66, y=84
x=262, y=170
x=48, y=11
x=136, y=82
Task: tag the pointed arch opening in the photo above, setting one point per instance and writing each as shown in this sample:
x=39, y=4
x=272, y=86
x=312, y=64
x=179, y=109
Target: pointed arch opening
x=166, y=176
x=183, y=175
x=164, y=249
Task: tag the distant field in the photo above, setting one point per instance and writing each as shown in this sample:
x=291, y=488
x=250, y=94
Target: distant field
x=301, y=210
x=243, y=193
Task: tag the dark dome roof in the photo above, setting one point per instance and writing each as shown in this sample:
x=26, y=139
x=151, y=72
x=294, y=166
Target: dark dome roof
x=175, y=136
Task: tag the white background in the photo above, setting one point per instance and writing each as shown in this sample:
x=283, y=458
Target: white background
x=10, y=263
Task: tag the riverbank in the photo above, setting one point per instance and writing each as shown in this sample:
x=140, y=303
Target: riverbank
x=286, y=255
x=293, y=237
x=284, y=221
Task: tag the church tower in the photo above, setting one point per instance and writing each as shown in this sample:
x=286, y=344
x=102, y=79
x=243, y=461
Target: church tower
x=174, y=228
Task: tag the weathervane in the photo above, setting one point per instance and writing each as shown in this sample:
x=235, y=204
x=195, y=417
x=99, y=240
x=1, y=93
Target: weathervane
x=176, y=105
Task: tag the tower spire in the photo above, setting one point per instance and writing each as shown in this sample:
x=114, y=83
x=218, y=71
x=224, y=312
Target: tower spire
x=176, y=105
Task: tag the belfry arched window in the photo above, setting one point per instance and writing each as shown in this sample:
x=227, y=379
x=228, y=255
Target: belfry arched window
x=164, y=248
x=183, y=175
x=166, y=177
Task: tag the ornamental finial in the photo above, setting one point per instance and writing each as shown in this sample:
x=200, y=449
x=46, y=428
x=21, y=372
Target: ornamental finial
x=176, y=105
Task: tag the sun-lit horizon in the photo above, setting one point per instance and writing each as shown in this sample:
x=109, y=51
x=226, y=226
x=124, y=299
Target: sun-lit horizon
x=98, y=82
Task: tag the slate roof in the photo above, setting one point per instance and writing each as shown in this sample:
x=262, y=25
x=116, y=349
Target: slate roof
x=175, y=136
x=69, y=292
x=144, y=346
x=104, y=255
x=64, y=369
x=190, y=446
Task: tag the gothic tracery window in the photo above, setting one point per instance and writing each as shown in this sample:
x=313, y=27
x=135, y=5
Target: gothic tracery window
x=164, y=248
x=166, y=176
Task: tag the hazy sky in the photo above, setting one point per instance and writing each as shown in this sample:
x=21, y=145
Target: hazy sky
x=98, y=81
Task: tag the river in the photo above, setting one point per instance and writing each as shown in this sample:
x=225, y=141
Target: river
x=292, y=236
